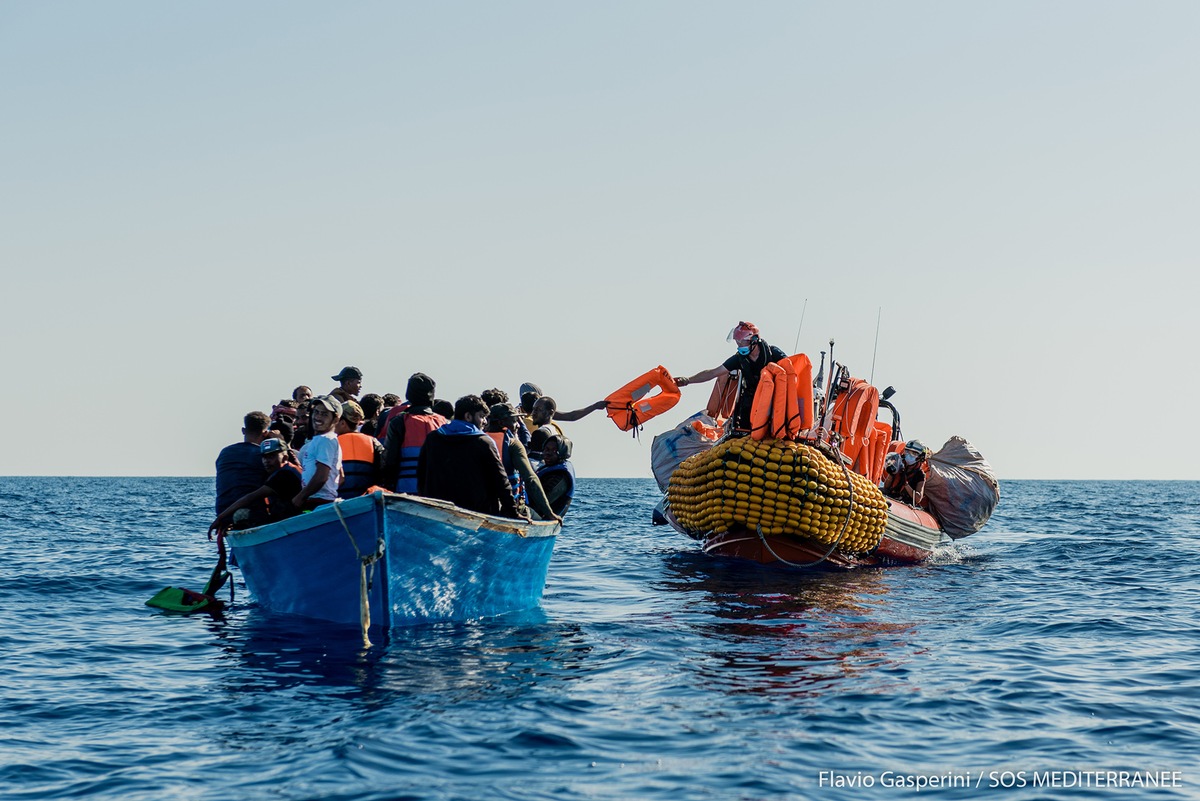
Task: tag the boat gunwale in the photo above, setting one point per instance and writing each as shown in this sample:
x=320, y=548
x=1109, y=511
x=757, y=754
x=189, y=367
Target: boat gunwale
x=249, y=537
x=448, y=513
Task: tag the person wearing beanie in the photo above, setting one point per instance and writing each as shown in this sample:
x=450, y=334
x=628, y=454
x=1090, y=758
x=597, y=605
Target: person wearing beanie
x=405, y=431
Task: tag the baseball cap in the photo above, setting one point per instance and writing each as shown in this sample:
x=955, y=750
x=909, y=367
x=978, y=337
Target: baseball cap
x=272, y=445
x=347, y=374
x=327, y=403
x=502, y=411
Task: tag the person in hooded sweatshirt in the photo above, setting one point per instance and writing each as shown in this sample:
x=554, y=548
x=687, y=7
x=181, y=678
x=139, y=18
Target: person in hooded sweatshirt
x=459, y=464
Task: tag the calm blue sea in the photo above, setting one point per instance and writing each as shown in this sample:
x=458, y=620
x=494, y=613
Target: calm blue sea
x=1038, y=659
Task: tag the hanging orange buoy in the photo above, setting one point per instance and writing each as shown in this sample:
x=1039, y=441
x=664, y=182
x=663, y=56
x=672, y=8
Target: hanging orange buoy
x=632, y=404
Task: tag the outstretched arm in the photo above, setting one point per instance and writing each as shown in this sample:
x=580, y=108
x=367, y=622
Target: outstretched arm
x=702, y=376
x=579, y=414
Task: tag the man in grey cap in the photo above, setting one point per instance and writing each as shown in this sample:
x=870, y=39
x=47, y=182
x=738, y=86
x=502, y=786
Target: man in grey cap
x=350, y=384
x=321, y=457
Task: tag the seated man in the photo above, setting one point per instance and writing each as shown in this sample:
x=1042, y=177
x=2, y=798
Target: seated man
x=362, y=455
x=521, y=476
x=545, y=417
x=543, y=425
x=497, y=397
x=302, y=431
x=240, y=469
x=557, y=474
x=529, y=395
x=371, y=404
x=459, y=464
x=282, y=484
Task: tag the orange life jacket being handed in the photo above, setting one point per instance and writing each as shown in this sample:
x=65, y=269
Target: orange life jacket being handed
x=632, y=404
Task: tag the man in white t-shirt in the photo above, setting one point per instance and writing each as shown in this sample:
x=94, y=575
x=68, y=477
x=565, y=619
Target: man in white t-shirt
x=321, y=457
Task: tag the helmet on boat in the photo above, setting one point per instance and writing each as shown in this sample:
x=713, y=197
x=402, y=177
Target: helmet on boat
x=915, y=452
x=743, y=330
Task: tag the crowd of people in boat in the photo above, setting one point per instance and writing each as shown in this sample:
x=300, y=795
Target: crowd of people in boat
x=480, y=453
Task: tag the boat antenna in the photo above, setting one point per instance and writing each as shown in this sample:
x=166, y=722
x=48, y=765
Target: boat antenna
x=829, y=390
x=878, y=317
x=832, y=369
x=819, y=390
x=796, y=347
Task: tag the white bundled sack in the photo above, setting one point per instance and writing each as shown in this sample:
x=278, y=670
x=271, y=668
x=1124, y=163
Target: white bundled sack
x=961, y=490
x=669, y=449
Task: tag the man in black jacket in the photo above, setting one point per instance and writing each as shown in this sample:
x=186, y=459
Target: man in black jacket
x=459, y=463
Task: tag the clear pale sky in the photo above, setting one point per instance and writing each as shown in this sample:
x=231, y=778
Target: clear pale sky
x=206, y=204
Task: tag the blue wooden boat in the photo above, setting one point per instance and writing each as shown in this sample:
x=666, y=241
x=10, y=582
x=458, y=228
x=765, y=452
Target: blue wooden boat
x=395, y=560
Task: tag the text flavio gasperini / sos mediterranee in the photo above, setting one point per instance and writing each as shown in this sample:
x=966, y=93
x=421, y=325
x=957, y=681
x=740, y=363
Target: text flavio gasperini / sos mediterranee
x=1004, y=779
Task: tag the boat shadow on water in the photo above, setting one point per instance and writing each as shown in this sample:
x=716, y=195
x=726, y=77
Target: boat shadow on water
x=502, y=656
x=775, y=630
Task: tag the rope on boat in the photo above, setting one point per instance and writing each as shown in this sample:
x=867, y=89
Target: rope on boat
x=364, y=581
x=845, y=527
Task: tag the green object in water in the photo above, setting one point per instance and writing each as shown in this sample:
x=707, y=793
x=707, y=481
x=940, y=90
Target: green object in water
x=177, y=600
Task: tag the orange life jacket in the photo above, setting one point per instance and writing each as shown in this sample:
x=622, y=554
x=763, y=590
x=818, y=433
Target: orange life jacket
x=416, y=430
x=358, y=463
x=632, y=404
x=764, y=402
x=871, y=458
x=854, y=416
x=802, y=366
x=778, y=410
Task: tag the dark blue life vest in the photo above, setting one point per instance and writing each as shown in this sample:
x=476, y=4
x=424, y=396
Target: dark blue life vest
x=560, y=505
x=416, y=428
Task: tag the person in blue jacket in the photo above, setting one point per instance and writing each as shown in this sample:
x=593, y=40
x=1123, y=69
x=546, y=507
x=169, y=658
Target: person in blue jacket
x=458, y=463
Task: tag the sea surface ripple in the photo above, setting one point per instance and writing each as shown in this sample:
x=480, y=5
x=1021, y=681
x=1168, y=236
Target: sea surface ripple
x=1063, y=637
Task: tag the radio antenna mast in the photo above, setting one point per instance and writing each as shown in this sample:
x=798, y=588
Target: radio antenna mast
x=796, y=347
x=878, y=317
